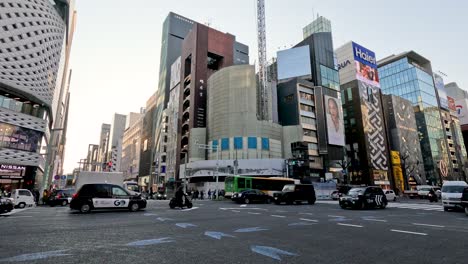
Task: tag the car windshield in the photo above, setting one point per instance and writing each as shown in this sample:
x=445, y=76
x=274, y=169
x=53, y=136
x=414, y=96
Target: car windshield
x=425, y=189
x=288, y=188
x=356, y=191
x=453, y=189
x=132, y=187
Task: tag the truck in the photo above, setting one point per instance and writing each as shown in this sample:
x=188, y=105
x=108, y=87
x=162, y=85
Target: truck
x=86, y=177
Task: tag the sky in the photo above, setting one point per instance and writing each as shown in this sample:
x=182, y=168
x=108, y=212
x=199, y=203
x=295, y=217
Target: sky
x=116, y=47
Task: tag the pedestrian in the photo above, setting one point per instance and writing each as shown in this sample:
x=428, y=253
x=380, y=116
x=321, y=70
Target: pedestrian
x=196, y=194
x=209, y=194
x=45, y=196
x=214, y=194
x=202, y=193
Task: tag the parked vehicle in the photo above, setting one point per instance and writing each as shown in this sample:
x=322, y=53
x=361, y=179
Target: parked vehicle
x=22, y=198
x=61, y=197
x=160, y=196
x=335, y=195
x=452, y=193
x=464, y=200
x=296, y=193
x=251, y=196
x=423, y=190
x=105, y=196
x=364, y=197
x=131, y=186
x=6, y=205
x=390, y=194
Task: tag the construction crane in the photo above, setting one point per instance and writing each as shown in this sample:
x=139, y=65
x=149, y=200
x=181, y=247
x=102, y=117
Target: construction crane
x=262, y=59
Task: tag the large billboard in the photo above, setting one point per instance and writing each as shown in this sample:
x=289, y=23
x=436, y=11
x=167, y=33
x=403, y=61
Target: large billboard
x=335, y=125
x=439, y=84
x=366, y=65
x=294, y=62
x=461, y=107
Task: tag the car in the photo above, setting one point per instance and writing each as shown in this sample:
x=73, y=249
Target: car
x=6, y=205
x=364, y=197
x=452, y=193
x=295, y=193
x=22, y=198
x=98, y=196
x=160, y=196
x=61, y=197
x=464, y=200
x=390, y=194
x=251, y=196
x=335, y=195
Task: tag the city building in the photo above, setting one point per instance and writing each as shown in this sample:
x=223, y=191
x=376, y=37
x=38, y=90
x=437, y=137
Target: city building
x=309, y=109
x=172, y=113
x=366, y=135
x=321, y=24
x=114, y=150
x=409, y=75
x=92, y=163
x=204, y=51
x=131, y=145
x=103, y=146
x=146, y=166
x=460, y=96
x=403, y=138
x=34, y=96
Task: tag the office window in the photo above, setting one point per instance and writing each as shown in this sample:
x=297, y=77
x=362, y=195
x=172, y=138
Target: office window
x=252, y=142
x=306, y=96
x=306, y=108
x=238, y=143
x=225, y=144
x=310, y=133
x=265, y=143
x=313, y=146
x=307, y=120
x=350, y=94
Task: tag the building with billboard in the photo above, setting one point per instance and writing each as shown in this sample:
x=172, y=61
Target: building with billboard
x=403, y=138
x=204, y=51
x=409, y=75
x=307, y=96
x=34, y=90
x=460, y=98
x=366, y=136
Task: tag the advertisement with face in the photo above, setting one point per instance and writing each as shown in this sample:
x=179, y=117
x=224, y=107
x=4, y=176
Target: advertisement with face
x=335, y=125
x=366, y=65
x=461, y=110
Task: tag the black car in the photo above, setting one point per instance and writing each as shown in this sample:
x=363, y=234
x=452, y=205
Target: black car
x=6, y=205
x=251, y=196
x=160, y=196
x=61, y=197
x=364, y=197
x=105, y=196
x=296, y=193
x=464, y=200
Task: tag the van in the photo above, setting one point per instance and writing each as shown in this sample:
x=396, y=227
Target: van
x=22, y=198
x=452, y=193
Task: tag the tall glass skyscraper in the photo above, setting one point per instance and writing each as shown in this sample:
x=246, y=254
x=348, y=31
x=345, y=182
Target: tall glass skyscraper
x=409, y=75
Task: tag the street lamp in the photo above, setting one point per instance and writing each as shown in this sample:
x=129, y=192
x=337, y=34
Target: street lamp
x=204, y=146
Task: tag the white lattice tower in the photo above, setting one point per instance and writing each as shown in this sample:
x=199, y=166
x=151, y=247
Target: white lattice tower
x=262, y=58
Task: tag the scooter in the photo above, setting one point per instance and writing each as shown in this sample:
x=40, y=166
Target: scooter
x=432, y=198
x=187, y=203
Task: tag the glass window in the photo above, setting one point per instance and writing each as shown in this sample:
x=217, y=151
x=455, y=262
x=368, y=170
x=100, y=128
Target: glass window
x=238, y=143
x=350, y=94
x=215, y=145
x=310, y=133
x=352, y=121
x=306, y=96
x=225, y=144
x=313, y=146
x=252, y=142
x=265, y=143
x=117, y=191
x=306, y=108
x=25, y=193
x=308, y=120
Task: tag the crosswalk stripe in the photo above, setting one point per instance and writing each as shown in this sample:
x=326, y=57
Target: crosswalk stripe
x=425, y=207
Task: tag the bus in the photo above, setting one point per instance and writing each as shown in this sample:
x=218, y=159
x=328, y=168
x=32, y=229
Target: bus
x=235, y=184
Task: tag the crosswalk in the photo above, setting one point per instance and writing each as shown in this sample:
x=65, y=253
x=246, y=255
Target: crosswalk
x=415, y=206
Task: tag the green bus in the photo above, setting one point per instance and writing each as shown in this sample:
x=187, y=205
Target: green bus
x=236, y=184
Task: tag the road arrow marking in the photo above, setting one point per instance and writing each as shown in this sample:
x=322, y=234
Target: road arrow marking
x=271, y=252
x=150, y=242
x=216, y=235
x=185, y=225
x=250, y=229
x=36, y=256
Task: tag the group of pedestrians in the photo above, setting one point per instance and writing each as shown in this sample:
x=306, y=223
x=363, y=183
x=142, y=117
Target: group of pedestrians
x=211, y=195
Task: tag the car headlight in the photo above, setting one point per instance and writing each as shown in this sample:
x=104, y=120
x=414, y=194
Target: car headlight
x=165, y=195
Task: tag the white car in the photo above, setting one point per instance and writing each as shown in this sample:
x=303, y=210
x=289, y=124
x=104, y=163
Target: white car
x=390, y=194
x=452, y=192
x=22, y=198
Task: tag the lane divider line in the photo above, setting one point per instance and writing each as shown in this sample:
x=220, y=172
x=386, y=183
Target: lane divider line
x=336, y=216
x=309, y=220
x=375, y=220
x=341, y=224
x=253, y=213
x=235, y=211
x=408, y=232
x=281, y=216
x=418, y=224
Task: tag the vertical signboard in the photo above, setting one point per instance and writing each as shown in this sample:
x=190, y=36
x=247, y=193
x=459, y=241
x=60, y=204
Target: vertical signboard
x=461, y=111
x=366, y=65
x=335, y=127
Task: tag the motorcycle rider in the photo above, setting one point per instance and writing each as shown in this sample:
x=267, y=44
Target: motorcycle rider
x=432, y=196
x=179, y=195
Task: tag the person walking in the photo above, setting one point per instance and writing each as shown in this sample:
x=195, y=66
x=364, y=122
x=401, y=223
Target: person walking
x=209, y=194
x=202, y=193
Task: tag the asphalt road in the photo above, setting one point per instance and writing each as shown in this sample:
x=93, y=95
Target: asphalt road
x=224, y=232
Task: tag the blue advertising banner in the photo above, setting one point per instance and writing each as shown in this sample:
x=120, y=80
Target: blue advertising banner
x=364, y=55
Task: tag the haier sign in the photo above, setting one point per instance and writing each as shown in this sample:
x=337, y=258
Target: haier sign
x=364, y=55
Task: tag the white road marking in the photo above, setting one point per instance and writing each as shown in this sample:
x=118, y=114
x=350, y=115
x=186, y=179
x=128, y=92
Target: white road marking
x=243, y=208
x=349, y=225
x=243, y=205
x=336, y=216
x=306, y=213
x=408, y=232
x=189, y=209
x=309, y=220
x=235, y=211
x=418, y=224
x=281, y=216
x=375, y=220
x=253, y=213
x=20, y=216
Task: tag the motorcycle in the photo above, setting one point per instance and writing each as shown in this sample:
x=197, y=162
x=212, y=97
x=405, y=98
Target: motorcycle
x=432, y=198
x=187, y=203
x=6, y=205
